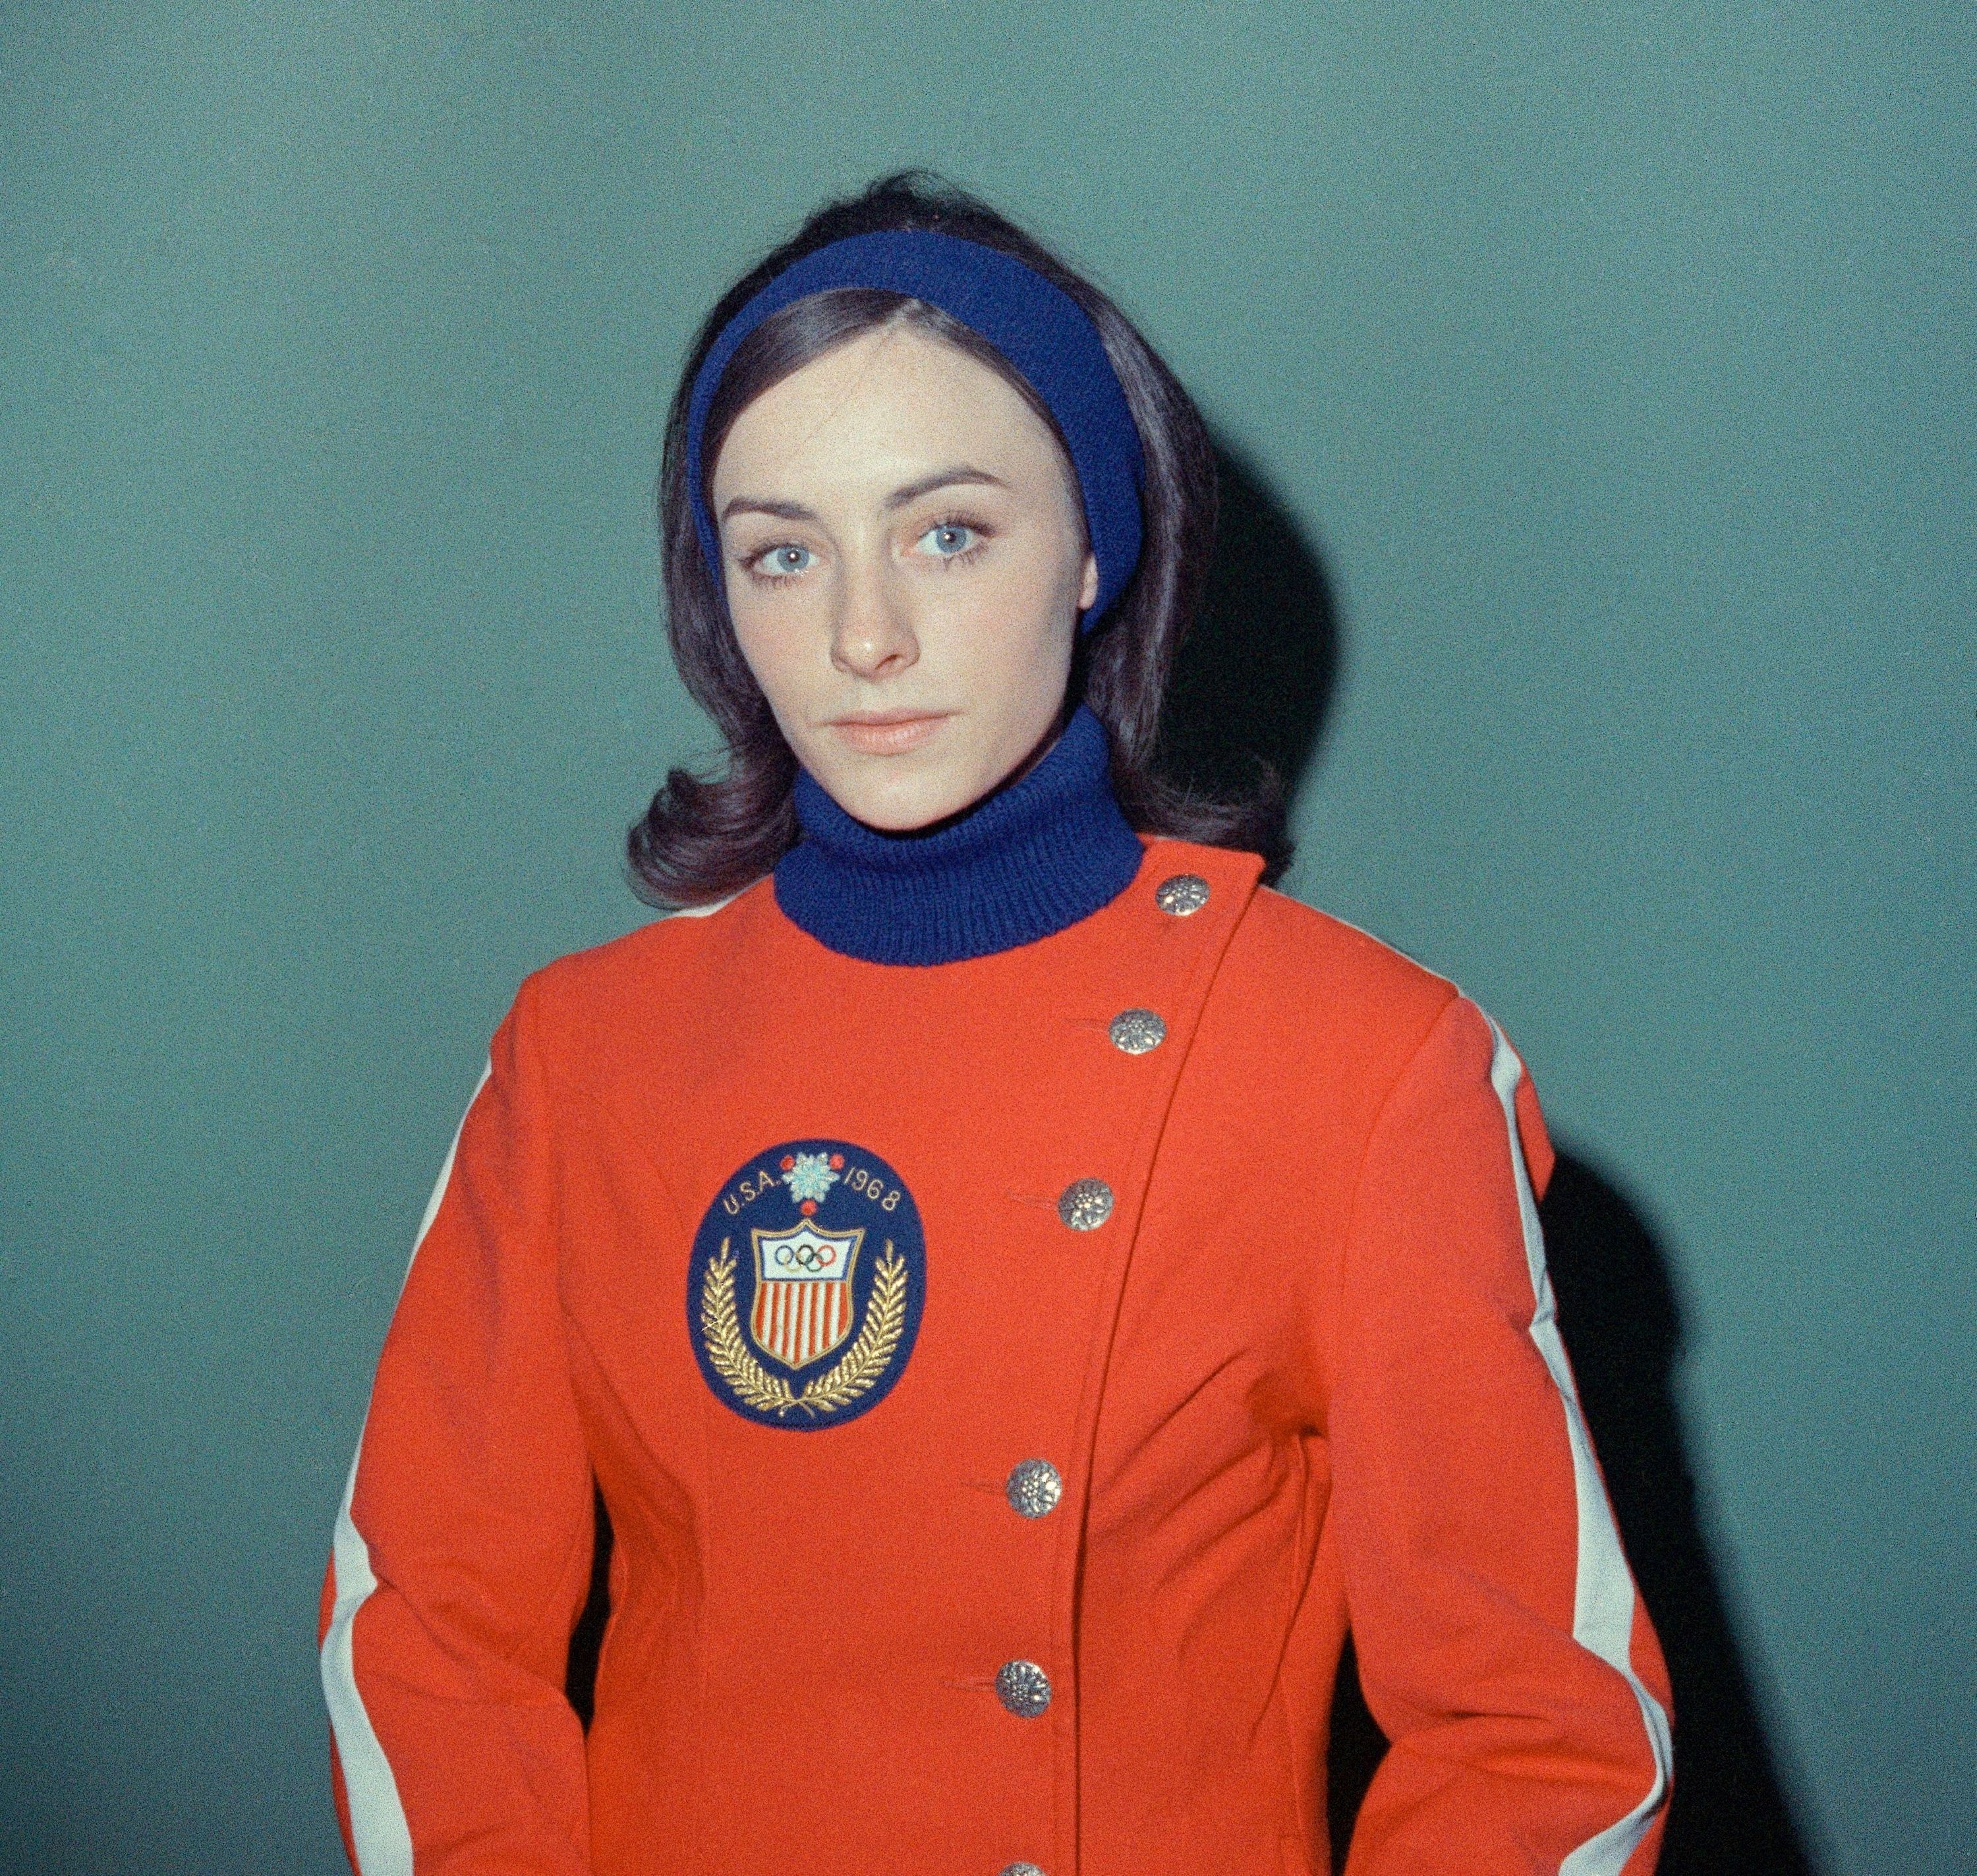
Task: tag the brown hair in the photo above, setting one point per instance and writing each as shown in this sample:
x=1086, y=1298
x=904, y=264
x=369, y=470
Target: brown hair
x=706, y=836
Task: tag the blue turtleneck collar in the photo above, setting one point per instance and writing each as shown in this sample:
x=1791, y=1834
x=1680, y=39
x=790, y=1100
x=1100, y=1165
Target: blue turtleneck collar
x=1044, y=853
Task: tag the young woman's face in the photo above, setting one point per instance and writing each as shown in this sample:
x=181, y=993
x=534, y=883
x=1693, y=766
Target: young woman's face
x=905, y=562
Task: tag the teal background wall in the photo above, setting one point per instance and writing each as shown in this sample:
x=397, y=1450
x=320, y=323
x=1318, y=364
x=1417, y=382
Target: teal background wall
x=1617, y=361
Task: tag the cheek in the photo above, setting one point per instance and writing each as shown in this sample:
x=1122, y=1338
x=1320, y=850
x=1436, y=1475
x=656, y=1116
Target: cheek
x=1014, y=643
x=771, y=641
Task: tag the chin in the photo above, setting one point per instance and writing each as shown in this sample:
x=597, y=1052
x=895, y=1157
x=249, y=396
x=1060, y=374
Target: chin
x=901, y=804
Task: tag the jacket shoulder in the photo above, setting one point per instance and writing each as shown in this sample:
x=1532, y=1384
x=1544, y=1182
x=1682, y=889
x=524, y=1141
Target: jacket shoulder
x=1369, y=1011
x=1311, y=1024
x=650, y=964
x=1312, y=956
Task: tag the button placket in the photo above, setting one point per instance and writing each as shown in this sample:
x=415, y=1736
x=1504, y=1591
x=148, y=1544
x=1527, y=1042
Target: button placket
x=1035, y=1487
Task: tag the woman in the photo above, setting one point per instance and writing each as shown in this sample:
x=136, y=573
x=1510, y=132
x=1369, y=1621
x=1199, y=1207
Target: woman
x=1023, y=1288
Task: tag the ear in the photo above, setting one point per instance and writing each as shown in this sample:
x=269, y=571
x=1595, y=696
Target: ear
x=1088, y=590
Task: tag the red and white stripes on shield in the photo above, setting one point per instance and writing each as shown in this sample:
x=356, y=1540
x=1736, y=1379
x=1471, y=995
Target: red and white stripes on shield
x=804, y=1305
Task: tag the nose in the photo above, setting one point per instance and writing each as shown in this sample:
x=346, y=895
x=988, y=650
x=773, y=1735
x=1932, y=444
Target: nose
x=871, y=635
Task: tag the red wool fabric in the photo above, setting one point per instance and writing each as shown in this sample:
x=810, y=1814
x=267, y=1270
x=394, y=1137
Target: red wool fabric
x=1301, y=1378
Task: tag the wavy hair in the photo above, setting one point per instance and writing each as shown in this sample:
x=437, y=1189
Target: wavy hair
x=707, y=835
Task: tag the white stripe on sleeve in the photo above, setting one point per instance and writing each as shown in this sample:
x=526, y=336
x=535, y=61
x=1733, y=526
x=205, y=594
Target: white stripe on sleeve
x=1602, y=1616
x=378, y=1827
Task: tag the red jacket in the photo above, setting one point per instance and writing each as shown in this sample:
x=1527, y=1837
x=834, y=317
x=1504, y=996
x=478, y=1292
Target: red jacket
x=1009, y=1380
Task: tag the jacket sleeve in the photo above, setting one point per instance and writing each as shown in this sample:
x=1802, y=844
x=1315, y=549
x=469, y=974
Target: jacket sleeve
x=461, y=1553
x=1502, y=1645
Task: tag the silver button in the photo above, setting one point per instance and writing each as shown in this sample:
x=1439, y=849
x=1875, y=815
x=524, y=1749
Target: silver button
x=1183, y=894
x=1023, y=1687
x=1084, y=1204
x=1021, y=1869
x=1135, y=1031
x=1033, y=1489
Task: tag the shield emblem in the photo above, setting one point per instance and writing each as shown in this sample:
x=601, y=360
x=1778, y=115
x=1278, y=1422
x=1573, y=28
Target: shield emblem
x=804, y=1305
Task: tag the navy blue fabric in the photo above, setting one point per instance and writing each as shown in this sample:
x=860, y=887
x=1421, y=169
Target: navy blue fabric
x=1045, y=852
x=1037, y=326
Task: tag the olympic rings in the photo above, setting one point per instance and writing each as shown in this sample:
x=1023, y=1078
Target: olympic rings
x=809, y=1258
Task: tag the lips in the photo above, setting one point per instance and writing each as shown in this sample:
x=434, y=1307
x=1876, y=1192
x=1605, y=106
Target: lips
x=887, y=732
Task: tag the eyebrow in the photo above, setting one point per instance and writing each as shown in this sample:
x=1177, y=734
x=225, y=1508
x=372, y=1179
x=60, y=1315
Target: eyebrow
x=962, y=474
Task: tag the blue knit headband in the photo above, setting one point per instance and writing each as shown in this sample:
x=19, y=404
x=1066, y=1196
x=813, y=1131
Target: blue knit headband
x=1037, y=326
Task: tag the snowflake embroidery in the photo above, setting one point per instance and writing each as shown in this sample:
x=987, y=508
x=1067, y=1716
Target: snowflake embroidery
x=811, y=1177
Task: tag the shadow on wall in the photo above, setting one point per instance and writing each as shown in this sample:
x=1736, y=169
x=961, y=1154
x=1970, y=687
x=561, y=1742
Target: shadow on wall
x=1256, y=680
x=1257, y=676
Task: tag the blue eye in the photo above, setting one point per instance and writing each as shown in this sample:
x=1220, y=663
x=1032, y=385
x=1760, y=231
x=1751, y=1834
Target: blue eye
x=782, y=562
x=950, y=540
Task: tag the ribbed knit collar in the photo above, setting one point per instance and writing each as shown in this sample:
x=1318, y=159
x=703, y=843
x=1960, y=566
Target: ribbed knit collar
x=1037, y=857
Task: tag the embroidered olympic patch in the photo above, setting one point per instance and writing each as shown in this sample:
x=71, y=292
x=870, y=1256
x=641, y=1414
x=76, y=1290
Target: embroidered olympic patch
x=803, y=1295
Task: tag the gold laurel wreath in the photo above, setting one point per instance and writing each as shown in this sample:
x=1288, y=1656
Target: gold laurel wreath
x=863, y=1363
